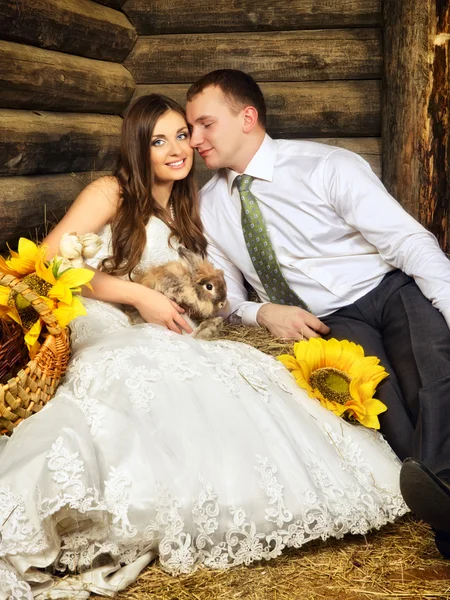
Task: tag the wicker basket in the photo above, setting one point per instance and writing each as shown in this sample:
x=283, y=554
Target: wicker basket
x=13, y=350
x=36, y=383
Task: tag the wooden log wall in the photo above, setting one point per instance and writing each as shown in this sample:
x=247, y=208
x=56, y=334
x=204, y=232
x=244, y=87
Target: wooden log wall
x=319, y=63
x=69, y=69
x=62, y=90
x=416, y=107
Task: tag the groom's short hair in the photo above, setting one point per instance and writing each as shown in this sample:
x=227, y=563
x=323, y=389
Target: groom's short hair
x=239, y=89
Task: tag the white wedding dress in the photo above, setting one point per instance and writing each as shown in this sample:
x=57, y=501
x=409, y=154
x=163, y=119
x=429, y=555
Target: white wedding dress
x=195, y=452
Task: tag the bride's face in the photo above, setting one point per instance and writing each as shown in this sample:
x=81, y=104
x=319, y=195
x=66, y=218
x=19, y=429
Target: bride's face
x=171, y=155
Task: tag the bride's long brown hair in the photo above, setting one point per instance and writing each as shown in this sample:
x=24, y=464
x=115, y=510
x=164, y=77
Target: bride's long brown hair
x=137, y=204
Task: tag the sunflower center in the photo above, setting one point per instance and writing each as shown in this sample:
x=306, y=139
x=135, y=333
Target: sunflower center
x=332, y=383
x=26, y=311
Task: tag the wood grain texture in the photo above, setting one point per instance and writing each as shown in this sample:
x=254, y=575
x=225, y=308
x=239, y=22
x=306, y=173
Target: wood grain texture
x=416, y=107
x=194, y=16
x=77, y=27
x=273, y=56
x=34, y=142
x=315, y=109
x=28, y=204
x=39, y=79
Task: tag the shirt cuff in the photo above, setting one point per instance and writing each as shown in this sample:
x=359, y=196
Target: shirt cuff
x=248, y=312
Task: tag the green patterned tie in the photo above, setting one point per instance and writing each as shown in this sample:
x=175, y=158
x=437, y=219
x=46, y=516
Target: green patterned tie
x=261, y=250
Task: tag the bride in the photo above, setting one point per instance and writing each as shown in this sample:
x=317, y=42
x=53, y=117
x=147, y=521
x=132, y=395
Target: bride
x=161, y=445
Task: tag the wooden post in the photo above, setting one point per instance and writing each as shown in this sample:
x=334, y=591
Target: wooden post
x=416, y=107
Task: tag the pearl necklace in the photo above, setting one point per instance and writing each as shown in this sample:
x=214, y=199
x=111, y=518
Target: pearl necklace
x=171, y=210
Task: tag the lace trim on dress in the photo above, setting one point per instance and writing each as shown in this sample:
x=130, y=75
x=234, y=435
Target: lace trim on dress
x=10, y=584
x=355, y=508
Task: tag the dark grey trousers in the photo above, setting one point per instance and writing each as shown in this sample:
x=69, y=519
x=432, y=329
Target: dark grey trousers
x=396, y=323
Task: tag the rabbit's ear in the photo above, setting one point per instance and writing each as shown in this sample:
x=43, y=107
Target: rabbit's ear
x=190, y=258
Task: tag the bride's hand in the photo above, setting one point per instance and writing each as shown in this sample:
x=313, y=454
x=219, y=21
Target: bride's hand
x=154, y=307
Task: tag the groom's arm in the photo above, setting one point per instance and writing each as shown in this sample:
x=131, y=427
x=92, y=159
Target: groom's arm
x=359, y=197
x=240, y=308
x=289, y=322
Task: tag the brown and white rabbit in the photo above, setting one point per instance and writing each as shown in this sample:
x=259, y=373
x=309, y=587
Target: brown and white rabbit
x=195, y=285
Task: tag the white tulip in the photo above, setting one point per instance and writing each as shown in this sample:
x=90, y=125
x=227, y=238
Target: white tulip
x=77, y=263
x=62, y=264
x=91, y=244
x=70, y=246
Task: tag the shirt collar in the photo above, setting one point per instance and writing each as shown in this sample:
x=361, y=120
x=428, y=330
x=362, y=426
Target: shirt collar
x=261, y=166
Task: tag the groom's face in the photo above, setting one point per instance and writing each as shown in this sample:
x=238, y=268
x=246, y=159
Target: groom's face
x=216, y=128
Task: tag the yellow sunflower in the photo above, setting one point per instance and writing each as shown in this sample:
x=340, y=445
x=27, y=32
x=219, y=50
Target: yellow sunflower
x=24, y=260
x=54, y=284
x=339, y=376
x=63, y=283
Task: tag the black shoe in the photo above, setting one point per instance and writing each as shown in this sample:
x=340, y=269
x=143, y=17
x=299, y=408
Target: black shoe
x=426, y=495
x=442, y=541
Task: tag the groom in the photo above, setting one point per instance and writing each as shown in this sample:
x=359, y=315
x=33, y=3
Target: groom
x=332, y=254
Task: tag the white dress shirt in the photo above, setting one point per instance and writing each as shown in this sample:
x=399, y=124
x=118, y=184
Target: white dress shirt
x=335, y=229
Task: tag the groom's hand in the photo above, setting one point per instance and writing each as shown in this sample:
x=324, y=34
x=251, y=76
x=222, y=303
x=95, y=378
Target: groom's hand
x=290, y=322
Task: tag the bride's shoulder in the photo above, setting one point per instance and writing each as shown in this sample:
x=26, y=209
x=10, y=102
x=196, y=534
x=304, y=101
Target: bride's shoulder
x=107, y=184
x=102, y=194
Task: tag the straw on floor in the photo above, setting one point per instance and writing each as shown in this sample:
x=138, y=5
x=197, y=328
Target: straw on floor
x=398, y=562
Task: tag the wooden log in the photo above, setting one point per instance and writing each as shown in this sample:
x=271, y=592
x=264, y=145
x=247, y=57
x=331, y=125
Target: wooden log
x=31, y=206
x=112, y=3
x=43, y=79
x=272, y=56
x=77, y=27
x=416, y=105
x=194, y=16
x=368, y=148
x=314, y=109
x=34, y=142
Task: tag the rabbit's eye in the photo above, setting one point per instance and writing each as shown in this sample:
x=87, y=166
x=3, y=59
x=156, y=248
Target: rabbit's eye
x=209, y=286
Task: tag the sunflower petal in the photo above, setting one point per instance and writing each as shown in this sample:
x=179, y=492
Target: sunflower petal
x=44, y=270
x=288, y=361
x=371, y=421
x=356, y=409
x=24, y=260
x=335, y=407
x=299, y=369
x=375, y=407
x=61, y=292
x=75, y=278
x=314, y=353
x=66, y=313
x=4, y=295
x=32, y=336
x=333, y=351
x=7, y=270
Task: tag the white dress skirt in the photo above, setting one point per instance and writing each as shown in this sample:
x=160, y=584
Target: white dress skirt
x=193, y=452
